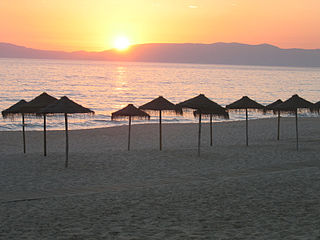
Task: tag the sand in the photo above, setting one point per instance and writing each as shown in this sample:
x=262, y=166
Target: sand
x=265, y=191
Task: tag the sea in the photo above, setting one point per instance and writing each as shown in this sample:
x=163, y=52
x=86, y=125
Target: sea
x=106, y=87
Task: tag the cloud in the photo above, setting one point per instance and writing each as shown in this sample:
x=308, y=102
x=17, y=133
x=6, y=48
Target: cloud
x=193, y=6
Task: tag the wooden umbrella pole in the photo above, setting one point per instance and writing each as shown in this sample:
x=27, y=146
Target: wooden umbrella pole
x=278, y=137
x=67, y=139
x=129, y=133
x=23, y=134
x=44, y=135
x=211, y=130
x=160, y=129
x=297, y=130
x=199, y=135
x=247, y=127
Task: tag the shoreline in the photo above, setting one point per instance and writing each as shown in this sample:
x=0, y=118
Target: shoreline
x=155, y=122
x=175, y=135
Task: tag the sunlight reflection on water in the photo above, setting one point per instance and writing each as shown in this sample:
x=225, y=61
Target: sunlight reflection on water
x=108, y=86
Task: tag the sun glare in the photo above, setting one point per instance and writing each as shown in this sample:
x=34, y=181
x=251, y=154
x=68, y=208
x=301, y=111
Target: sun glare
x=121, y=43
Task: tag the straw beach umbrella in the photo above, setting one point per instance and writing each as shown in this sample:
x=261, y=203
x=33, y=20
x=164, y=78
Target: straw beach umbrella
x=292, y=105
x=204, y=113
x=246, y=103
x=16, y=110
x=271, y=107
x=133, y=113
x=317, y=106
x=34, y=107
x=66, y=106
x=204, y=106
x=160, y=105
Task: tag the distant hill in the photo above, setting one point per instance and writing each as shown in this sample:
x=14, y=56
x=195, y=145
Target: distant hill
x=216, y=53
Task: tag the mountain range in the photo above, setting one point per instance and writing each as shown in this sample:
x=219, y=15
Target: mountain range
x=215, y=53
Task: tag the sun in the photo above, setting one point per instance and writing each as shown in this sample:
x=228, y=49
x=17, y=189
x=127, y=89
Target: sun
x=121, y=43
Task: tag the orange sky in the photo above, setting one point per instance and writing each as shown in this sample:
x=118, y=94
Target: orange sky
x=93, y=25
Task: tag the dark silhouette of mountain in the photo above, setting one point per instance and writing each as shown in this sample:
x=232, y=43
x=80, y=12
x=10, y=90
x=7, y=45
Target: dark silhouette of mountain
x=216, y=53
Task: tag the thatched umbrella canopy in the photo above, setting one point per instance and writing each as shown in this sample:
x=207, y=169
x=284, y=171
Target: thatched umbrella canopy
x=38, y=103
x=133, y=113
x=317, y=106
x=66, y=106
x=34, y=107
x=15, y=109
x=271, y=107
x=160, y=104
x=204, y=106
x=292, y=105
x=246, y=103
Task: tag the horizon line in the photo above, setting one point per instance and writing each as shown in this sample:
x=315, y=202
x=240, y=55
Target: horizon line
x=155, y=43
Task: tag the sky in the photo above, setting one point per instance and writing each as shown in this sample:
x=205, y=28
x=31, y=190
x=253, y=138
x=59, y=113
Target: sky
x=93, y=25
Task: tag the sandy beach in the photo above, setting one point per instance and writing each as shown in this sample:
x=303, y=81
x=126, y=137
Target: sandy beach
x=265, y=191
